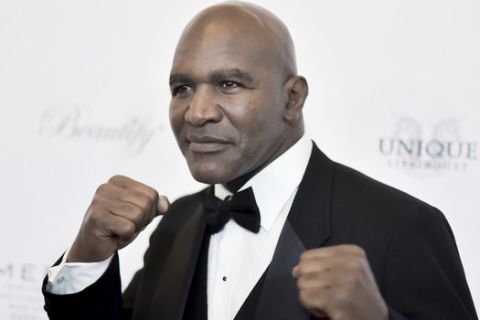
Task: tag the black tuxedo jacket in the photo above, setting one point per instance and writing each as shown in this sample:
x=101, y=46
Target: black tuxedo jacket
x=409, y=245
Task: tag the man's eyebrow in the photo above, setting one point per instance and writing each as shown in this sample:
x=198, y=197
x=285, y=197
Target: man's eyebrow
x=179, y=77
x=235, y=74
x=215, y=76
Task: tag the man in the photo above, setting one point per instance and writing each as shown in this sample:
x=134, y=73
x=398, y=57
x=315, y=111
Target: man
x=331, y=243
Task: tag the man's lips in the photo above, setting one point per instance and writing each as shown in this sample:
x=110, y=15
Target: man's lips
x=205, y=144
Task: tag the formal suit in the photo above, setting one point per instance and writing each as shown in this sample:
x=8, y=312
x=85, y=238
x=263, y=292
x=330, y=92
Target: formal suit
x=409, y=246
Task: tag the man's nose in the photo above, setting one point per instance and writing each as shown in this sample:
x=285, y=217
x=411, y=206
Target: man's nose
x=203, y=107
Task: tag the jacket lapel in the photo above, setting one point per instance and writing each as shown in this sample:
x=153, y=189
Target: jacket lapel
x=307, y=227
x=310, y=212
x=280, y=288
x=170, y=286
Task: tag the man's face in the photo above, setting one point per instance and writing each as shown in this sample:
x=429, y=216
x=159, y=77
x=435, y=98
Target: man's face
x=227, y=104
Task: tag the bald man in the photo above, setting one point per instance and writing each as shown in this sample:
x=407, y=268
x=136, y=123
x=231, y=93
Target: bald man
x=282, y=232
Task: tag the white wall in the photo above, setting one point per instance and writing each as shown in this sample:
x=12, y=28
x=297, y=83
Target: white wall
x=84, y=95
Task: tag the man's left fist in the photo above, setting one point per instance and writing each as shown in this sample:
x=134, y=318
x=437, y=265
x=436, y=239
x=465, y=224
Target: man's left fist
x=337, y=283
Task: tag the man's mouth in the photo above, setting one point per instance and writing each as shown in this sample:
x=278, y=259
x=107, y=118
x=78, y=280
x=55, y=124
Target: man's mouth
x=206, y=144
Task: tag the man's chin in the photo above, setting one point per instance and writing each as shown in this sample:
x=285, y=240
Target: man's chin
x=211, y=176
x=214, y=171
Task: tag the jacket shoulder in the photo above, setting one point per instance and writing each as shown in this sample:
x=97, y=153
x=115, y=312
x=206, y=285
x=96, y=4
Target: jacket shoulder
x=354, y=188
x=372, y=214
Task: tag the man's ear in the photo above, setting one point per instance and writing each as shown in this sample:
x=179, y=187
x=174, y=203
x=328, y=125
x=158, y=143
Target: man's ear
x=296, y=89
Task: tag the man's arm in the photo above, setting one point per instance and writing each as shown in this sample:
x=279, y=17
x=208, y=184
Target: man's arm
x=73, y=277
x=120, y=210
x=423, y=276
x=100, y=300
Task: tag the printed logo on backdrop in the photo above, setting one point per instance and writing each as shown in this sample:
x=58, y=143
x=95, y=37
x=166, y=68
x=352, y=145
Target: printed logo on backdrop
x=428, y=150
x=74, y=122
x=20, y=296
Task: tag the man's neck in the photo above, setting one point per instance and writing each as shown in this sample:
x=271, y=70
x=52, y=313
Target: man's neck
x=236, y=184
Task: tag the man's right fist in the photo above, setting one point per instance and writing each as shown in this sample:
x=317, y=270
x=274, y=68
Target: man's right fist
x=120, y=209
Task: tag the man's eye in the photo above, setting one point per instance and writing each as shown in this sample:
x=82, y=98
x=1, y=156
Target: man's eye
x=181, y=90
x=229, y=85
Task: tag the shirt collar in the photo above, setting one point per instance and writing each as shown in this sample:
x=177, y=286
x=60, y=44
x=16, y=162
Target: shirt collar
x=275, y=183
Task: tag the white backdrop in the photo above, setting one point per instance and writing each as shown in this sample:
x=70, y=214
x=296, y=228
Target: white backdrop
x=395, y=92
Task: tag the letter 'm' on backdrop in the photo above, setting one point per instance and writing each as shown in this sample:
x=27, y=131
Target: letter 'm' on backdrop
x=84, y=95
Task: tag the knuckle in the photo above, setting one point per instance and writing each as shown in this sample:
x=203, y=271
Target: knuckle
x=136, y=213
x=116, y=178
x=357, y=250
x=305, y=255
x=356, y=265
x=302, y=283
x=96, y=207
x=152, y=195
x=301, y=269
x=104, y=187
x=96, y=201
x=309, y=282
x=126, y=207
x=144, y=201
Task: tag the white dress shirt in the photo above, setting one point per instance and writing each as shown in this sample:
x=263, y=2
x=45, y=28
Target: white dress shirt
x=237, y=258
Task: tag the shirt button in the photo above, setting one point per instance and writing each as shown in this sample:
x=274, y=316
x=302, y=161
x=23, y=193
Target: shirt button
x=224, y=278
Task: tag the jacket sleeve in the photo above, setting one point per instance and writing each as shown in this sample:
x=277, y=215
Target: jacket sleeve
x=424, y=277
x=101, y=300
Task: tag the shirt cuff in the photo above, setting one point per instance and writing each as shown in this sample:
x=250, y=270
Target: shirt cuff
x=73, y=277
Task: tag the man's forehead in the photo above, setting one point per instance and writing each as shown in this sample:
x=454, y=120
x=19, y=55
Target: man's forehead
x=220, y=46
x=220, y=51
x=222, y=65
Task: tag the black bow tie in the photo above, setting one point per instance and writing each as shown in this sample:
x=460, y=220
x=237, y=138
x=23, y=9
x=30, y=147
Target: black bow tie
x=241, y=207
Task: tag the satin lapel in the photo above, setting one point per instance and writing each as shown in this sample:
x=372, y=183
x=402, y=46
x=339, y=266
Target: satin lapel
x=310, y=212
x=174, y=282
x=307, y=227
x=279, y=298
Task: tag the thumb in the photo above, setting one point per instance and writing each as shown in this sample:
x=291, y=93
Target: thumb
x=162, y=205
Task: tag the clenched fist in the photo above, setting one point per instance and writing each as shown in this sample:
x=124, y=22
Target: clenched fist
x=120, y=209
x=337, y=283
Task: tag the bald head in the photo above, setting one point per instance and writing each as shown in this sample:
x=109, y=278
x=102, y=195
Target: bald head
x=238, y=24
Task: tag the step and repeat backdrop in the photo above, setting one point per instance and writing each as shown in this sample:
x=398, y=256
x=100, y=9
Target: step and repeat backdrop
x=394, y=92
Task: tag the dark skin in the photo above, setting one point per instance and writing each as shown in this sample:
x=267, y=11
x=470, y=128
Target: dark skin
x=236, y=106
x=231, y=101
